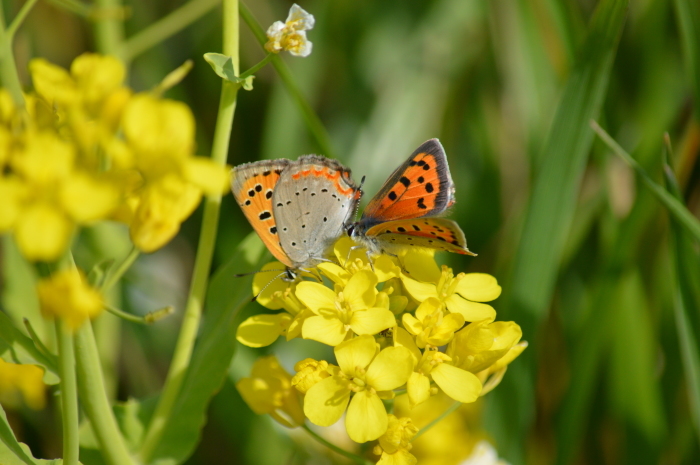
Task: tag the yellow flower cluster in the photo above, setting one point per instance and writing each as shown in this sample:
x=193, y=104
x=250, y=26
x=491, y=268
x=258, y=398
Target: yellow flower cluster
x=22, y=379
x=87, y=148
x=412, y=326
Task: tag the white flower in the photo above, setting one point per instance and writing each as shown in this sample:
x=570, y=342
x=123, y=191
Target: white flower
x=484, y=454
x=291, y=35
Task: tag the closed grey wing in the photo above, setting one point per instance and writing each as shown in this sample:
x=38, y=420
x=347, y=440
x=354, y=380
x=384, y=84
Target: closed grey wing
x=313, y=200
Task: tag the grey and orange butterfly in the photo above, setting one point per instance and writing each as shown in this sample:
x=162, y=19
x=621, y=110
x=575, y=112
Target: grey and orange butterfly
x=401, y=214
x=298, y=208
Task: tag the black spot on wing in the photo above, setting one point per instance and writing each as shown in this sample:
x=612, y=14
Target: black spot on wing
x=265, y=215
x=405, y=181
x=429, y=188
x=421, y=204
x=392, y=196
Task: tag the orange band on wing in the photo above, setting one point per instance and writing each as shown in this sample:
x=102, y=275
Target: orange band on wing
x=334, y=177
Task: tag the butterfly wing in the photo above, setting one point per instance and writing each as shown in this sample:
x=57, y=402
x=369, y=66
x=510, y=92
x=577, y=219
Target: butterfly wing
x=422, y=186
x=253, y=185
x=313, y=200
x=431, y=233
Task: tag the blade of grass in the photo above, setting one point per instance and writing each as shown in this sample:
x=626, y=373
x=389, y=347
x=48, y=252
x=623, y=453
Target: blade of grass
x=685, y=258
x=679, y=212
x=555, y=189
x=688, y=15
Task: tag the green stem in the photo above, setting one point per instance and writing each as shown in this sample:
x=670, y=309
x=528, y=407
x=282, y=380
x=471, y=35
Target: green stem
x=205, y=248
x=69, y=395
x=109, y=31
x=677, y=210
x=165, y=27
x=255, y=68
x=94, y=399
x=8, y=68
x=149, y=318
x=336, y=449
x=318, y=130
x=447, y=412
x=123, y=267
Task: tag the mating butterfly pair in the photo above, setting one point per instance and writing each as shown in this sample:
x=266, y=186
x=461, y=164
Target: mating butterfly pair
x=300, y=208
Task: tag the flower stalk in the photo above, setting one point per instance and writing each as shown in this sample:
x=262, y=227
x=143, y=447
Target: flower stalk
x=69, y=395
x=205, y=248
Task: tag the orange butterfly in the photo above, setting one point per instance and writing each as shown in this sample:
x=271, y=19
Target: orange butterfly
x=401, y=214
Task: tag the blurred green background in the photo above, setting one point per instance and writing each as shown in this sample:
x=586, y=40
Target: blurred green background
x=589, y=262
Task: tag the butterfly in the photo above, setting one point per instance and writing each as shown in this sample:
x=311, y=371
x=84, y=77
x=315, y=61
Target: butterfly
x=401, y=214
x=298, y=208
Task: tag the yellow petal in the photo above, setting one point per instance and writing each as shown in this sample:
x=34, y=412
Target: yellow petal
x=419, y=291
x=335, y=272
x=329, y=331
x=400, y=457
x=418, y=387
x=315, y=296
x=390, y=369
x=412, y=325
x=385, y=268
x=427, y=308
x=366, y=419
x=355, y=353
x=211, y=177
x=97, y=76
x=459, y=384
x=42, y=233
x=66, y=295
x=471, y=311
x=326, y=401
x=267, y=282
x=85, y=198
x=361, y=292
x=421, y=266
x=372, y=321
x=403, y=339
x=52, y=82
x=479, y=287
x=262, y=330
x=11, y=192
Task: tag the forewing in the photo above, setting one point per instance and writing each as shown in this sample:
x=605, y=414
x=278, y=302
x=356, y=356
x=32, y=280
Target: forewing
x=432, y=233
x=253, y=185
x=313, y=200
x=422, y=186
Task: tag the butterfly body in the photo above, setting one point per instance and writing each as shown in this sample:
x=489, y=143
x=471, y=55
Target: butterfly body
x=402, y=213
x=298, y=208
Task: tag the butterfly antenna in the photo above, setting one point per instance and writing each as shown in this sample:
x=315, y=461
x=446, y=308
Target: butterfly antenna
x=268, y=284
x=254, y=272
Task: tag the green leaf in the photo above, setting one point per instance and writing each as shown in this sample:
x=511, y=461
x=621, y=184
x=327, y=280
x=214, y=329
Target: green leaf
x=557, y=180
x=223, y=67
x=635, y=389
x=13, y=452
x=15, y=347
x=226, y=296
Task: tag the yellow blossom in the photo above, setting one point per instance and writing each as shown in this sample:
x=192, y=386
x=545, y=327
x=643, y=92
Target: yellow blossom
x=395, y=444
x=22, y=379
x=269, y=390
x=430, y=325
x=67, y=296
x=291, y=35
x=459, y=294
x=350, y=309
x=309, y=372
x=365, y=374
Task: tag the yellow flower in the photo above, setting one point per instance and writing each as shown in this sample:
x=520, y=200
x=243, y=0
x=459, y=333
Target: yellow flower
x=269, y=390
x=291, y=35
x=430, y=326
x=355, y=260
x=66, y=295
x=22, y=379
x=309, y=372
x=365, y=374
x=395, y=444
x=351, y=309
x=486, y=349
x=459, y=294
x=161, y=135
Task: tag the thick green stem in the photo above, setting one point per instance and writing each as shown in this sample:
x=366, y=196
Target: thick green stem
x=109, y=31
x=165, y=27
x=336, y=449
x=69, y=395
x=8, y=68
x=205, y=249
x=93, y=397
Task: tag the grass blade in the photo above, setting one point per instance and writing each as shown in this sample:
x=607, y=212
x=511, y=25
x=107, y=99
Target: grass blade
x=688, y=14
